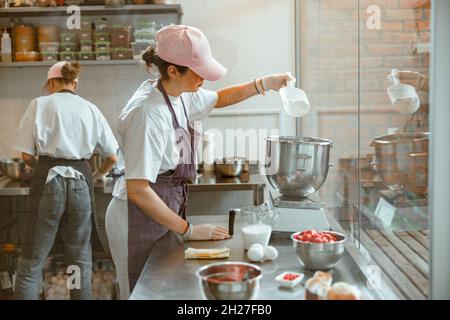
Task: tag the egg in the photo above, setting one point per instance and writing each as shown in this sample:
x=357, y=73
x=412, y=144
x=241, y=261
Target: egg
x=256, y=245
x=255, y=253
x=270, y=253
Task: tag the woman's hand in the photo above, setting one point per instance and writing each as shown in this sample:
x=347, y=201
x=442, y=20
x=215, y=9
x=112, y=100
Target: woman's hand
x=208, y=232
x=276, y=81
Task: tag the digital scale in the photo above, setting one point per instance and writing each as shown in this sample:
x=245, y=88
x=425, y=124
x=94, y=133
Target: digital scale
x=296, y=215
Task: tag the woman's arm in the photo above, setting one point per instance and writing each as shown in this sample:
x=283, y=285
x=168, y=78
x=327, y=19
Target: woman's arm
x=29, y=159
x=239, y=93
x=235, y=94
x=140, y=193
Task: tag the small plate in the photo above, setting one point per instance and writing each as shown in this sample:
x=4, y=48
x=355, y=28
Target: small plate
x=289, y=283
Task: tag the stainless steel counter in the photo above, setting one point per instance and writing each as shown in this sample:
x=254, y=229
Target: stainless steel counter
x=167, y=275
x=204, y=182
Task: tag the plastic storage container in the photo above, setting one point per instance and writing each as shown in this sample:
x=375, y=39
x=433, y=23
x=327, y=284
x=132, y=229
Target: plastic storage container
x=102, y=36
x=121, y=54
x=48, y=33
x=101, y=25
x=86, y=45
x=49, y=47
x=87, y=55
x=85, y=35
x=138, y=48
x=114, y=3
x=24, y=38
x=68, y=56
x=68, y=36
x=103, y=55
x=69, y=46
x=27, y=56
x=121, y=36
x=102, y=45
x=50, y=56
x=144, y=35
x=86, y=25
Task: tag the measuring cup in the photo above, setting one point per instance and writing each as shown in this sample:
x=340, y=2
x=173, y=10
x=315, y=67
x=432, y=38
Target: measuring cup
x=295, y=102
x=403, y=96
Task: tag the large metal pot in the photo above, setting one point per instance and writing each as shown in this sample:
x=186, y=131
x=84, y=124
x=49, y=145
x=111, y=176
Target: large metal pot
x=297, y=166
x=401, y=160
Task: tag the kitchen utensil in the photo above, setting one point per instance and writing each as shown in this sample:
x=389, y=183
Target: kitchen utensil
x=320, y=256
x=13, y=168
x=295, y=102
x=401, y=160
x=297, y=166
x=229, y=281
x=403, y=97
x=230, y=167
x=257, y=224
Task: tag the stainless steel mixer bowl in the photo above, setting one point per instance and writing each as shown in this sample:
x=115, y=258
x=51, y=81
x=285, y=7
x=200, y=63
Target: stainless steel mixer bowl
x=230, y=281
x=297, y=166
x=13, y=169
x=401, y=160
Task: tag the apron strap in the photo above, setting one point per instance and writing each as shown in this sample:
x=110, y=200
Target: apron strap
x=169, y=104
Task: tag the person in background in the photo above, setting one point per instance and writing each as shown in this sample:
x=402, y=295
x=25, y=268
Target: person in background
x=157, y=143
x=57, y=136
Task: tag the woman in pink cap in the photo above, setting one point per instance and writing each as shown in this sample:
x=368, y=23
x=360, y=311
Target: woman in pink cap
x=157, y=143
x=57, y=136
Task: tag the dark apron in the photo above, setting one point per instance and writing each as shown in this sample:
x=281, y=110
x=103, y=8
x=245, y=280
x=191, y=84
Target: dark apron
x=37, y=186
x=171, y=187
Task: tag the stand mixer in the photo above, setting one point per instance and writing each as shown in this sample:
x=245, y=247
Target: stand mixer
x=296, y=167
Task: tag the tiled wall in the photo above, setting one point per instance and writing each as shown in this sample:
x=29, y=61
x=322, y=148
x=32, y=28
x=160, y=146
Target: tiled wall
x=250, y=37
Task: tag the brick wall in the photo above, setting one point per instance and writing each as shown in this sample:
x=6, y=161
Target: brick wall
x=330, y=44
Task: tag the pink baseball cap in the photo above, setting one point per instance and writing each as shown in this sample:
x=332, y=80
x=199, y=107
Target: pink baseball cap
x=55, y=70
x=188, y=47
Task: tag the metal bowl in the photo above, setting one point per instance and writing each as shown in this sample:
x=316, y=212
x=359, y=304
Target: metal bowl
x=230, y=167
x=229, y=281
x=13, y=169
x=297, y=166
x=320, y=256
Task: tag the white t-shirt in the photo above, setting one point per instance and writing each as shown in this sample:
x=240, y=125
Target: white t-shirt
x=64, y=125
x=146, y=133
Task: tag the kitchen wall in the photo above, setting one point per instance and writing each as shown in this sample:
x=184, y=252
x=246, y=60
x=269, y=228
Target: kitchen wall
x=250, y=37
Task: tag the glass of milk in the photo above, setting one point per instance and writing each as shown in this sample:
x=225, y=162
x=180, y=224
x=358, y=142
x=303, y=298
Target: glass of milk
x=295, y=102
x=256, y=225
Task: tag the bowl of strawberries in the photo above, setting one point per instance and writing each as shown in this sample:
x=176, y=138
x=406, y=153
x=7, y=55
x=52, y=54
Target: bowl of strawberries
x=319, y=250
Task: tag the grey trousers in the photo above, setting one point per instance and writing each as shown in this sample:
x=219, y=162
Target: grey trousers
x=65, y=206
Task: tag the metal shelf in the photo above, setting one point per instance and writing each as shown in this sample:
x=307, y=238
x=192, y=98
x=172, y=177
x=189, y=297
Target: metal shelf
x=87, y=62
x=93, y=10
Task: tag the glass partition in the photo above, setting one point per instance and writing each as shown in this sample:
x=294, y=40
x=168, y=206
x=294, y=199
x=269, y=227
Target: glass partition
x=365, y=66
